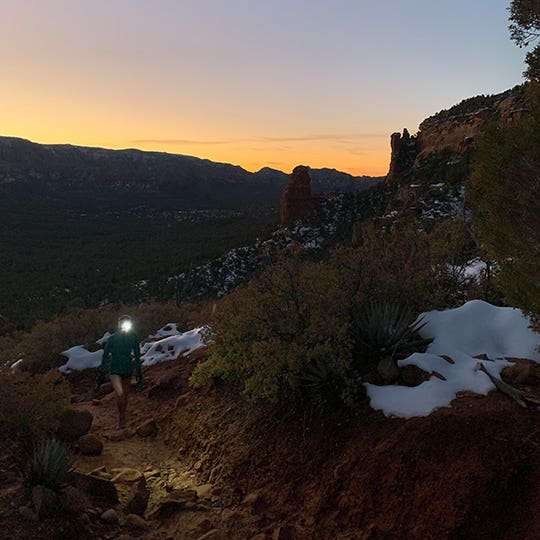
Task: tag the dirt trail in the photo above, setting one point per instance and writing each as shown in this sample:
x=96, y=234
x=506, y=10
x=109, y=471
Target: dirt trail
x=127, y=456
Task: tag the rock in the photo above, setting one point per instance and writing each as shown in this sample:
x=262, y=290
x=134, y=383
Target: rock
x=388, y=370
x=214, y=534
x=96, y=402
x=260, y=536
x=110, y=516
x=106, y=388
x=45, y=501
x=522, y=372
x=101, y=492
x=135, y=521
x=28, y=513
x=251, y=499
x=125, y=475
x=137, y=499
x=232, y=516
x=177, y=500
x=90, y=445
x=404, y=151
x=296, y=200
x=167, y=383
x=204, y=491
x=73, y=500
x=147, y=429
x=74, y=423
x=413, y=376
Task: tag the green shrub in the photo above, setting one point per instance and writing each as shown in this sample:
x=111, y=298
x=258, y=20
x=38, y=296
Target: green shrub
x=384, y=329
x=268, y=332
x=50, y=464
x=504, y=194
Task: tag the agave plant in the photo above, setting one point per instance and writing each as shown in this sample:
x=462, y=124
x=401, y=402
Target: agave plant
x=319, y=387
x=50, y=464
x=384, y=331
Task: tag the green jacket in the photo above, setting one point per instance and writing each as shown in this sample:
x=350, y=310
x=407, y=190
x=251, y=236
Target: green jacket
x=119, y=348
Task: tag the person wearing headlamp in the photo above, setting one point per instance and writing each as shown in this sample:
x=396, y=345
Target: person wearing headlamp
x=121, y=353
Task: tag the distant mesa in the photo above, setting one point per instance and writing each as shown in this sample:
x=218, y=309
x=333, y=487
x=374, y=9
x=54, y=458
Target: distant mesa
x=297, y=201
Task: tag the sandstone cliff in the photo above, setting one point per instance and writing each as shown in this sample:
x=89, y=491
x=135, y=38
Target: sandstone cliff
x=297, y=201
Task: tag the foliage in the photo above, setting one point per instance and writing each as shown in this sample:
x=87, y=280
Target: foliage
x=50, y=464
x=504, y=193
x=296, y=335
x=41, y=347
x=268, y=332
x=31, y=406
x=56, y=257
x=525, y=29
x=384, y=329
x=405, y=265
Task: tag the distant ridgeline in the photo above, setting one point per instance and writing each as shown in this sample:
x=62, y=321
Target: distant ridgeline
x=126, y=178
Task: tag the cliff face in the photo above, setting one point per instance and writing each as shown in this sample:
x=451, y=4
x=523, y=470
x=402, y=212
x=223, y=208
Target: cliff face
x=297, y=202
x=448, y=138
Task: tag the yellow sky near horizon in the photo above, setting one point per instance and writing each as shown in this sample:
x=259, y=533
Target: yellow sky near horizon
x=246, y=82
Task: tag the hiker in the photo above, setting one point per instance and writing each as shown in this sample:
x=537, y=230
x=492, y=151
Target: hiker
x=123, y=350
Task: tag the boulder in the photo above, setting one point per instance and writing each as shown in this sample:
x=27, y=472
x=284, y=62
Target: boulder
x=90, y=445
x=110, y=516
x=73, y=500
x=100, y=491
x=134, y=521
x=45, y=501
x=126, y=475
x=204, y=491
x=74, y=423
x=147, y=429
x=413, y=375
x=137, y=499
x=296, y=201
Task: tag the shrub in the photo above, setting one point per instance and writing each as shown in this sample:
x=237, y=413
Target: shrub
x=50, y=464
x=504, y=190
x=382, y=330
x=30, y=406
x=268, y=332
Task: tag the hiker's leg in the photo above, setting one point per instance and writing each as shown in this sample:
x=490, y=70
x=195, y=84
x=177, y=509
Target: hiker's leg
x=116, y=382
x=125, y=386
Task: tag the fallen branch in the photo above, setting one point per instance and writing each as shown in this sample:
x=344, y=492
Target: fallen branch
x=517, y=395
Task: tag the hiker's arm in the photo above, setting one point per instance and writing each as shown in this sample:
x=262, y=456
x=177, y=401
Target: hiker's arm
x=105, y=358
x=137, y=355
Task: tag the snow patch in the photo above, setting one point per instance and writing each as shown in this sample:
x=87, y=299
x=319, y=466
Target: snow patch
x=473, y=329
x=171, y=347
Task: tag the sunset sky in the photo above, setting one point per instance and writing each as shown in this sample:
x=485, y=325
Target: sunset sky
x=251, y=82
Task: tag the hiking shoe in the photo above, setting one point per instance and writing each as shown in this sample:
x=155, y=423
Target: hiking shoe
x=121, y=424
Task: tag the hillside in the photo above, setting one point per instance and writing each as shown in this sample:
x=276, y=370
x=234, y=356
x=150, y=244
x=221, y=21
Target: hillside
x=96, y=177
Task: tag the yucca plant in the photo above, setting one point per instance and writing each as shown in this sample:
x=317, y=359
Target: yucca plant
x=384, y=331
x=319, y=387
x=50, y=464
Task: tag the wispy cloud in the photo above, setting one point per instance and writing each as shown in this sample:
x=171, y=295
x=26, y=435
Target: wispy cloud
x=340, y=138
x=181, y=141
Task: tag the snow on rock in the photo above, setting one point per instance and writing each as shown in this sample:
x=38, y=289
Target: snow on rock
x=16, y=366
x=80, y=358
x=473, y=329
x=480, y=328
x=169, y=348
x=168, y=343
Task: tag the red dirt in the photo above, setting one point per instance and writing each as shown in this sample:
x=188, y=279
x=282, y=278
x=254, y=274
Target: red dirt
x=471, y=471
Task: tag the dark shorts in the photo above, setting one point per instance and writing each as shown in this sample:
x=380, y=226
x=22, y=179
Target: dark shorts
x=124, y=376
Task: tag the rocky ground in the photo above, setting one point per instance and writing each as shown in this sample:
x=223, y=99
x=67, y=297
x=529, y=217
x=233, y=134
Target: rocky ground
x=192, y=466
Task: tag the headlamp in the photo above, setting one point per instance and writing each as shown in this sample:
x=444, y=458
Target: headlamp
x=126, y=326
